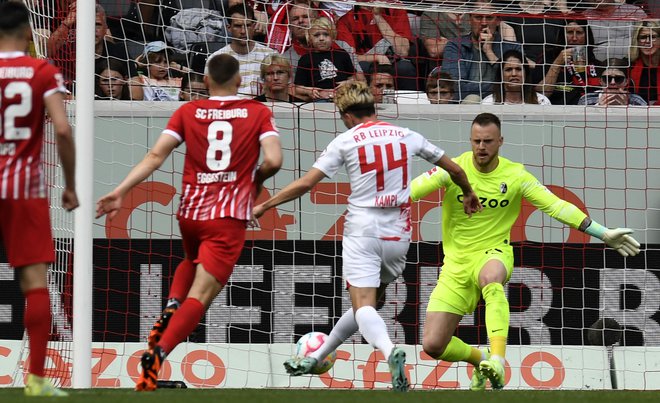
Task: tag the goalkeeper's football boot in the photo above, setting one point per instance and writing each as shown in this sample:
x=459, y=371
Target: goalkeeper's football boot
x=159, y=327
x=493, y=369
x=397, y=363
x=151, y=363
x=300, y=366
x=39, y=386
x=478, y=378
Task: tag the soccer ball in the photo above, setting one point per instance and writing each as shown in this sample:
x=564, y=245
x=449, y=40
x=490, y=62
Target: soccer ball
x=311, y=342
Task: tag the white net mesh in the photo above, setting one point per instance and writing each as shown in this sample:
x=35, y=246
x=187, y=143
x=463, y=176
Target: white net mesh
x=288, y=281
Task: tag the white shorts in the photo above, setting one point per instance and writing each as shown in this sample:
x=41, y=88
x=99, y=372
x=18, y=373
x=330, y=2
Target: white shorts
x=368, y=262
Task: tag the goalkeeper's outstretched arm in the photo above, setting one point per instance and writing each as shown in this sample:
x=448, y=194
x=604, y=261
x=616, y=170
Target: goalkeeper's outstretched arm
x=567, y=213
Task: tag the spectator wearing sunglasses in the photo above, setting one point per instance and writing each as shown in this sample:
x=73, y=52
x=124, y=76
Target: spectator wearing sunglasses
x=614, y=90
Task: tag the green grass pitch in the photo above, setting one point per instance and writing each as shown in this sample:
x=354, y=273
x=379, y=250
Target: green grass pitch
x=335, y=396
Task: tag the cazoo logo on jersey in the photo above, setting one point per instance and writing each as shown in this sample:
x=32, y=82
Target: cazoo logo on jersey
x=486, y=202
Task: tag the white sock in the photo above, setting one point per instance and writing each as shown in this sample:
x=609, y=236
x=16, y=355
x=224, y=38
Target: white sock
x=345, y=327
x=484, y=356
x=374, y=330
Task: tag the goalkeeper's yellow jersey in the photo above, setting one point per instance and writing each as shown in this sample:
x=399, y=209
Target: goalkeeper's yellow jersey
x=500, y=192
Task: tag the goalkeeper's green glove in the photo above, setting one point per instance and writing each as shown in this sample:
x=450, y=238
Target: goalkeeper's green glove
x=617, y=238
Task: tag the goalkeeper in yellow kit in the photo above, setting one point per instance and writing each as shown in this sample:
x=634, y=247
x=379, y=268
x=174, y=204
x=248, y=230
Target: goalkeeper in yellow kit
x=478, y=254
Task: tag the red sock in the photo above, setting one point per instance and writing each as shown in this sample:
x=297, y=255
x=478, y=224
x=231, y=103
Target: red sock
x=183, y=279
x=37, y=323
x=183, y=322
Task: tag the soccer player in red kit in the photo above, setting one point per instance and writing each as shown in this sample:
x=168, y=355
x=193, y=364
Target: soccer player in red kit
x=29, y=87
x=221, y=179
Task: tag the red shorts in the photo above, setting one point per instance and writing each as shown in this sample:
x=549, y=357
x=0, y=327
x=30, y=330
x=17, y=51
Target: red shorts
x=216, y=244
x=25, y=231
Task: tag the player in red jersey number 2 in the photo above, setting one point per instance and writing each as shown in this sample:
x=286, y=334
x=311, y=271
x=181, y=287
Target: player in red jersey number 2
x=376, y=237
x=224, y=136
x=29, y=87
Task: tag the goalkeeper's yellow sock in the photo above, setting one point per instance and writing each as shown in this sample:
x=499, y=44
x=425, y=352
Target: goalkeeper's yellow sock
x=456, y=351
x=476, y=356
x=497, y=318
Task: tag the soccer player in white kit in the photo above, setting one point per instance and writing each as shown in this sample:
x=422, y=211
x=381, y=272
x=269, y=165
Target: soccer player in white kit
x=377, y=156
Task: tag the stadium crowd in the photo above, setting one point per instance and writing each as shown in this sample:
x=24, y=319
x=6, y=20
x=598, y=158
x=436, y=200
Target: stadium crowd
x=563, y=51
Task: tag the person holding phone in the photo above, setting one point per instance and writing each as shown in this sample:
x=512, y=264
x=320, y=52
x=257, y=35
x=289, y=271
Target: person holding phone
x=614, y=82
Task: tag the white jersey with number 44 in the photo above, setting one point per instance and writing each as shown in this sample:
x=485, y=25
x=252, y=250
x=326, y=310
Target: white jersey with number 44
x=377, y=157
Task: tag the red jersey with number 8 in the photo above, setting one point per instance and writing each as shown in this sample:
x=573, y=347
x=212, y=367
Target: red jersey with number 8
x=222, y=136
x=24, y=83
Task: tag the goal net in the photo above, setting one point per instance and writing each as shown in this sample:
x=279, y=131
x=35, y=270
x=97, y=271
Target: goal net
x=288, y=279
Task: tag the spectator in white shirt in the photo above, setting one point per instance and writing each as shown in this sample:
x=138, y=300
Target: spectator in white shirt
x=249, y=53
x=512, y=84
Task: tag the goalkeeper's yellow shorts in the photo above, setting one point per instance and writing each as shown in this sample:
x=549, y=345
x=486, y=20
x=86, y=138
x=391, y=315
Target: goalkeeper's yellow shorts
x=458, y=289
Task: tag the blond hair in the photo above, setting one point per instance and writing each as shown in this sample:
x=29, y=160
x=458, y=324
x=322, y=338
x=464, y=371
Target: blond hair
x=354, y=95
x=654, y=26
x=277, y=60
x=323, y=23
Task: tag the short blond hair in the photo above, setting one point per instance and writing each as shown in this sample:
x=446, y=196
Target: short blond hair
x=653, y=25
x=323, y=23
x=354, y=95
x=277, y=60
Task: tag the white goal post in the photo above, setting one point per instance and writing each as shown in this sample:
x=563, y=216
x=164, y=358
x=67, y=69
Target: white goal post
x=83, y=239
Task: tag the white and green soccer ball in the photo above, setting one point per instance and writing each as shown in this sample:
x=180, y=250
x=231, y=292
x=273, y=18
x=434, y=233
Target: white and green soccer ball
x=311, y=342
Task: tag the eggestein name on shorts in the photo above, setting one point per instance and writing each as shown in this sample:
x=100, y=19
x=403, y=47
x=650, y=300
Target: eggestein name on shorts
x=204, y=178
